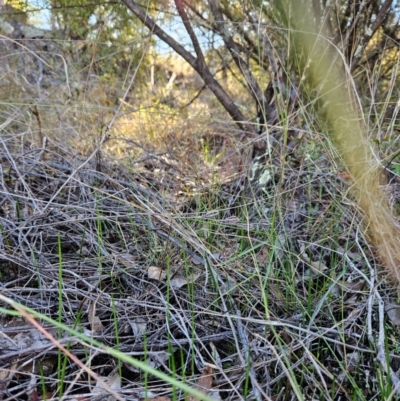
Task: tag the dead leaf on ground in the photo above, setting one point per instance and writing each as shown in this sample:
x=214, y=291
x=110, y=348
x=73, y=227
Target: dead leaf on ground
x=95, y=323
x=179, y=282
x=204, y=382
x=113, y=382
x=156, y=273
x=393, y=312
x=355, y=256
x=263, y=255
x=316, y=266
x=352, y=360
x=348, y=287
x=138, y=326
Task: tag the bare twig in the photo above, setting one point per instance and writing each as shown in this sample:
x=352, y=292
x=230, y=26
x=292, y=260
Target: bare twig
x=234, y=49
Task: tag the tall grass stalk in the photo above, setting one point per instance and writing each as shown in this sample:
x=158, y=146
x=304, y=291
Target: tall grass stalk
x=340, y=110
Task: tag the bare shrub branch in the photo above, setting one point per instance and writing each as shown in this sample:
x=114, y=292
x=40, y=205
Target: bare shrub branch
x=197, y=63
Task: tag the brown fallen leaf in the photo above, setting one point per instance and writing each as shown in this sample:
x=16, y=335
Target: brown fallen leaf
x=204, y=382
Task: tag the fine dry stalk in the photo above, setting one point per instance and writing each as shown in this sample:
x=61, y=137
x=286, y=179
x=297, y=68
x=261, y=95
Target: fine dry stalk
x=314, y=55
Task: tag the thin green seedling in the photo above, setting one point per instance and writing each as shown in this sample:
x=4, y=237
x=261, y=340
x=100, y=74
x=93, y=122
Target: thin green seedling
x=62, y=359
x=35, y=263
x=18, y=210
x=42, y=382
x=145, y=374
x=263, y=276
x=119, y=232
x=289, y=278
x=184, y=364
x=264, y=279
x=214, y=287
x=171, y=359
x=82, y=242
x=209, y=228
x=133, y=229
x=382, y=382
x=386, y=385
x=208, y=155
x=246, y=385
x=285, y=365
x=191, y=298
x=99, y=237
x=77, y=323
x=117, y=340
x=323, y=344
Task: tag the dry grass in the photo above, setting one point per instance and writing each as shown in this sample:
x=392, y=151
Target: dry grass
x=342, y=114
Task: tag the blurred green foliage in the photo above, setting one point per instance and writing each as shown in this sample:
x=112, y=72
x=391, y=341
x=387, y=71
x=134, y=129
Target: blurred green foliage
x=104, y=35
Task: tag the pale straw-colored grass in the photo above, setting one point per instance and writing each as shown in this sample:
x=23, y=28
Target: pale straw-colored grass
x=341, y=113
